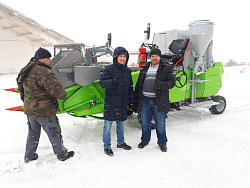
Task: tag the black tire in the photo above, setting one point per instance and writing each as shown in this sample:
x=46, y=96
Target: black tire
x=219, y=108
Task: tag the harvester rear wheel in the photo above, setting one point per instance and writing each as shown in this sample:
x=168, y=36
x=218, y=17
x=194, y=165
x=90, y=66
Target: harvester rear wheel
x=219, y=108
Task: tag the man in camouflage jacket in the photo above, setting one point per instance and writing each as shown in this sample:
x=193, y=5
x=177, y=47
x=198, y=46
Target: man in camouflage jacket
x=40, y=90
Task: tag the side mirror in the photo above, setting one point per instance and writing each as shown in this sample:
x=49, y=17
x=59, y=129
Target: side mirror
x=147, y=33
x=108, y=44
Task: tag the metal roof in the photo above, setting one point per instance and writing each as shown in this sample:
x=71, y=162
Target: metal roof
x=23, y=26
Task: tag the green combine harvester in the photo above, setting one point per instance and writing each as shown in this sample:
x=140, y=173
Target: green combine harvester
x=198, y=77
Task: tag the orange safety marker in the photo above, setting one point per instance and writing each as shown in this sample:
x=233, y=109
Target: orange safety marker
x=17, y=108
x=12, y=90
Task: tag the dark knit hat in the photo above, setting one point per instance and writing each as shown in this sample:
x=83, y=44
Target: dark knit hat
x=123, y=53
x=42, y=53
x=155, y=51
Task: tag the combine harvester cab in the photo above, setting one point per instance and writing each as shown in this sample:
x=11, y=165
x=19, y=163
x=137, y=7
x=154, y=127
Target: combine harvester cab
x=198, y=77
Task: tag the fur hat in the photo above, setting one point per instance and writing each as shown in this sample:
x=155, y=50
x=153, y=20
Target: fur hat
x=42, y=53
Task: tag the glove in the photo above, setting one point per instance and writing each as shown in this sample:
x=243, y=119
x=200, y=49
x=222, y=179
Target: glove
x=133, y=107
x=115, y=82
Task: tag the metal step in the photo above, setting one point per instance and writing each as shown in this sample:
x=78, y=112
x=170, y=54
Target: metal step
x=203, y=104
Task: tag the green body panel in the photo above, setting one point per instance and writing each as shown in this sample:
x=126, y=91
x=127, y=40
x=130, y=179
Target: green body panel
x=211, y=87
x=80, y=97
x=180, y=94
x=204, y=89
x=135, y=77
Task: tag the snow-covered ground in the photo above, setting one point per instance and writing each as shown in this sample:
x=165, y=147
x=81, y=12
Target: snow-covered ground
x=204, y=150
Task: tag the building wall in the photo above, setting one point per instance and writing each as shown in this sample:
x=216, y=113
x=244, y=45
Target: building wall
x=15, y=51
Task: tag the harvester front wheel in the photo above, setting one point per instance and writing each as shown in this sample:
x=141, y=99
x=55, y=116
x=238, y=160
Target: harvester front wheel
x=219, y=108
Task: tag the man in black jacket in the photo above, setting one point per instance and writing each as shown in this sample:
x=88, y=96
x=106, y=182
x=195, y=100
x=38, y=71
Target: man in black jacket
x=117, y=81
x=152, y=96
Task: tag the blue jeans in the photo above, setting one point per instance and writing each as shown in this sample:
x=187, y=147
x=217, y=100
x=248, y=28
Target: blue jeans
x=148, y=110
x=107, y=133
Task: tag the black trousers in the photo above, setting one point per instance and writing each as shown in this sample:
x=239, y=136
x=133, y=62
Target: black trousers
x=51, y=126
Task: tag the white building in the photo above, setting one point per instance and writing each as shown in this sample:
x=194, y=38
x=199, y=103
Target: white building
x=20, y=37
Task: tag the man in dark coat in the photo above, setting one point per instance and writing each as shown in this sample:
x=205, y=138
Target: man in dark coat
x=117, y=81
x=152, y=97
x=39, y=91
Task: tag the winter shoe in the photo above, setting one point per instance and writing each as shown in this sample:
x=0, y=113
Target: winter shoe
x=108, y=151
x=141, y=145
x=124, y=146
x=163, y=148
x=70, y=154
x=26, y=160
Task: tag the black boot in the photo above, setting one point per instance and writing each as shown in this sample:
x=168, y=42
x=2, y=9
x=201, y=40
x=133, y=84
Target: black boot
x=108, y=151
x=141, y=145
x=124, y=146
x=27, y=160
x=70, y=154
x=163, y=148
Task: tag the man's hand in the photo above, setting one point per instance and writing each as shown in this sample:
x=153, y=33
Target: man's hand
x=133, y=107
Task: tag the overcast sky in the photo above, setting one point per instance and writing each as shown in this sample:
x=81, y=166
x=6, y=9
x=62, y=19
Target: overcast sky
x=89, y=22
